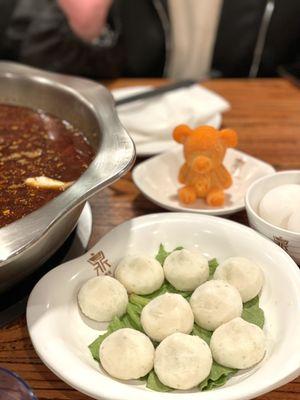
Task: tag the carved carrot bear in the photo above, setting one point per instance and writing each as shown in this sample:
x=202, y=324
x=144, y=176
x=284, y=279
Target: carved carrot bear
x=203, y=173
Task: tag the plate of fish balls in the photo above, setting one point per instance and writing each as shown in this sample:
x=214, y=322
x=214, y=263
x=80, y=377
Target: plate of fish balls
x=171, y=305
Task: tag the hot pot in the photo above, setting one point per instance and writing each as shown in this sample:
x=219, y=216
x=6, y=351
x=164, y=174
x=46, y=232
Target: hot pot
x=28, y=242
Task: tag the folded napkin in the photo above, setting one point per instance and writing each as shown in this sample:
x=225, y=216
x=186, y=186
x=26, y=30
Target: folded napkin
x=155, y=119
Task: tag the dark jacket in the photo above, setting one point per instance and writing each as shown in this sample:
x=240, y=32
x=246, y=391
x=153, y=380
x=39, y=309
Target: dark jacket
x=134, y=43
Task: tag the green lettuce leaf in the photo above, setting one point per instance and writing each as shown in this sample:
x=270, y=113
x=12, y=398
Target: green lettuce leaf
x=253, y=313
x=134, y=316
x=166, y=287
x=202, y=333
x=212, y=264
x=139, y=301
x=163, y=253
x=95, y=346
x=218, y=376
x=155, y=384
x=171, y=289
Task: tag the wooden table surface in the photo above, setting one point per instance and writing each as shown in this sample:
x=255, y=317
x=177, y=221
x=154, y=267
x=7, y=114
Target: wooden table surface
x=266, y=115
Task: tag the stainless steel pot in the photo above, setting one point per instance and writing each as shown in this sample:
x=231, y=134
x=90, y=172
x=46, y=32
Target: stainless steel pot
x=30, y=241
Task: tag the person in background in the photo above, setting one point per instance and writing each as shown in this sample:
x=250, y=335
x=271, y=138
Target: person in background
x=173, y=38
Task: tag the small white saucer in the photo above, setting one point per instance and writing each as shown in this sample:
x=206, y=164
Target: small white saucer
x=157, y=180
x=149, y=145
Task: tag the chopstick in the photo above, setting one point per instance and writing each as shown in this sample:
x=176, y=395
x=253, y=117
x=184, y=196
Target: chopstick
x=156, y=92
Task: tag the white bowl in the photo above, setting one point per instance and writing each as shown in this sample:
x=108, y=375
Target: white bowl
x=61, y=335
x=288, y=240
x=157, y=179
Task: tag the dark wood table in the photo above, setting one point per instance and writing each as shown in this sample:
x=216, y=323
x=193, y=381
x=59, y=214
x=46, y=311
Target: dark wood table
x=266, y=115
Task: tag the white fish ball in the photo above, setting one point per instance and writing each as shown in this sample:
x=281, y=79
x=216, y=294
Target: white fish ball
x=140, y=274
x=127, y=354
x=186, y=270
x=238, y=344
x=182, y=361
x=214, y=303
x=167, y=314
x=102, y=298
x=245, y=275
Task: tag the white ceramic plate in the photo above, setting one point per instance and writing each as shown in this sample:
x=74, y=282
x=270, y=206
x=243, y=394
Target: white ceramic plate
x=157, y=179
x=61, y=335
x=146, y=146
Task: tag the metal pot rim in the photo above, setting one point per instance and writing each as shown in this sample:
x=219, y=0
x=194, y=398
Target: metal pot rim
x=113, y=158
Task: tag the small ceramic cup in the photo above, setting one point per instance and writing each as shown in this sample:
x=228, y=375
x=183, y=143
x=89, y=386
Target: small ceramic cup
x=288, y=240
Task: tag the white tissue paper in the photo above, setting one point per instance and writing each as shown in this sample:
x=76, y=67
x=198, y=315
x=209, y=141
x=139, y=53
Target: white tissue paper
x=155, y=118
